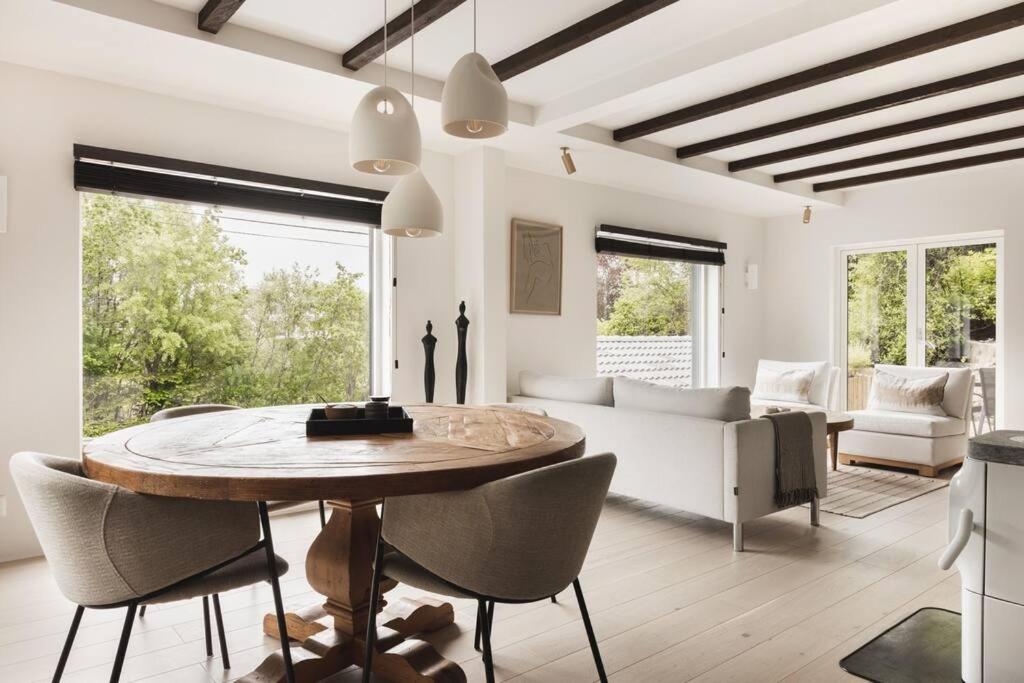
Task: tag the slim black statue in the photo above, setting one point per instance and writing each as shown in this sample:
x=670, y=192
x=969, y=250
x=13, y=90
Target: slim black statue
x=429, y=342
x=461, y=363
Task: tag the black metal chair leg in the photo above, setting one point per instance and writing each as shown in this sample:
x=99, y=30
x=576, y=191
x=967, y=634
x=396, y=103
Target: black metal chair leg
x=206, y=626
x=282, y=627
x=371, y=624
x=490, y=618
x=482, y=615
x=323, y=515
x=67, y=643
x=142, y=611
x=590, y=631
x=122, y=646
x=220, y=632
x=476, y=637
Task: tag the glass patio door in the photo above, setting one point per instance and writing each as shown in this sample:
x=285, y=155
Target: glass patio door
x=958, y=311
x=925, y=304
x=876, y=321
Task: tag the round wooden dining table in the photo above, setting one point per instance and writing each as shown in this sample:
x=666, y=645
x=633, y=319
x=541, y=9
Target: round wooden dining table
x=263, y=454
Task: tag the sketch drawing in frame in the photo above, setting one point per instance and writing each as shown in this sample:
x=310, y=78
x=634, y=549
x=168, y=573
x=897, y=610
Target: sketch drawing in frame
x=536, y=268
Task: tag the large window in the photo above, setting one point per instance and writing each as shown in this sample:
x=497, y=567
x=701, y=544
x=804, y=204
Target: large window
x=657, y=320
x=184, y=304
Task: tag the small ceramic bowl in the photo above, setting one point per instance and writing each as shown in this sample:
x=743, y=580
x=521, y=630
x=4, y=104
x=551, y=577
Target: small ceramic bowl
x=340, y=411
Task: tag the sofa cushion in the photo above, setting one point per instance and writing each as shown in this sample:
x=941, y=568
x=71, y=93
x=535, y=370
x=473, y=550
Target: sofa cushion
x=907, y=424
x=894, y=393
x=793, y=386
x=818, y=393
x=593, y=390
x=727, y=404
x=959, y=385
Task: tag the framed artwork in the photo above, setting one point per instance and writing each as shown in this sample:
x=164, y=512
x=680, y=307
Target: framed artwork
x=536, y=268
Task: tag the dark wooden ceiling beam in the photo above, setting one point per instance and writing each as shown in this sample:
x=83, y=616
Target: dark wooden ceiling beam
x=883, y=133
x=925, y=169
x=984, y=25
x=216, y=13
x=582, y=32
x=904, y=154
x=399, y=30
x=915, y=94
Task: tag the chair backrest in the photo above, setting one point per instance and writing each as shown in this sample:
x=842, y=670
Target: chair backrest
x=956, y=397
x=107, y=545
x=520, y=538
x=988, y=390
x=834, y=378
x=185, y=411
x=819, y=391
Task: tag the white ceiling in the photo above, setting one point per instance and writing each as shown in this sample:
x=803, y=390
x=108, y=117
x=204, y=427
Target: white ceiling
x=283, y=59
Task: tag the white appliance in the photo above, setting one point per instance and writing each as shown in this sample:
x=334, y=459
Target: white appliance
x=986, y=531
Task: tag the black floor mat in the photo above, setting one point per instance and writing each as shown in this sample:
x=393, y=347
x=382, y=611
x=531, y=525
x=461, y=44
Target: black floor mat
x=923, y=648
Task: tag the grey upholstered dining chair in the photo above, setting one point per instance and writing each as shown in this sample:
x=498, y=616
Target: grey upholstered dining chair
x=519, y=539
x=109, y=547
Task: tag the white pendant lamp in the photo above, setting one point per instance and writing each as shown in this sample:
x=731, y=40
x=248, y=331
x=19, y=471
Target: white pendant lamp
x=474, y=103
x=385, y=135
x=412, y=209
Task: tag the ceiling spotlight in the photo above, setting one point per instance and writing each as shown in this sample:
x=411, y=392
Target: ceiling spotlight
x=570, y=166
x=807, y=214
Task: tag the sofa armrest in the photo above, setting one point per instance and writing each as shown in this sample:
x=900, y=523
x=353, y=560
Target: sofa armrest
x=750, y=466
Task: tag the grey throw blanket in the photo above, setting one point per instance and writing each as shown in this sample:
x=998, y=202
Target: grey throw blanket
x=795, y=483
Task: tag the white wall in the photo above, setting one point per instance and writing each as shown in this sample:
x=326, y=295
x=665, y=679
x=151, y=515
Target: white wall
x=566, y=344
x=42, y=116
x=798, y=273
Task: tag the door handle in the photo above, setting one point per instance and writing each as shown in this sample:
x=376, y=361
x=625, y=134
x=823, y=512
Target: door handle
x=959, y=540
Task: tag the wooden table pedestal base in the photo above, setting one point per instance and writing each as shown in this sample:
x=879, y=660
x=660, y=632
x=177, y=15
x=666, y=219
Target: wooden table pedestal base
x=331, y=637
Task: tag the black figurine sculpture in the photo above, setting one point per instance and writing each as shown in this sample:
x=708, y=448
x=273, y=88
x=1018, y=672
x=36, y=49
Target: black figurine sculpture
x=429, y=342
x=461, y=363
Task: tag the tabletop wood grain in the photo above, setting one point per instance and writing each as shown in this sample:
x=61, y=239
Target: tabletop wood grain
x=264, y=454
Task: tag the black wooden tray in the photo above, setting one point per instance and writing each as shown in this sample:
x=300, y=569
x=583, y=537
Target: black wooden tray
x=398, y=421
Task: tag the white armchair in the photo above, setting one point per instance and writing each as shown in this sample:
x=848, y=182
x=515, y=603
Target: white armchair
x=821, y=393
x=914, y=440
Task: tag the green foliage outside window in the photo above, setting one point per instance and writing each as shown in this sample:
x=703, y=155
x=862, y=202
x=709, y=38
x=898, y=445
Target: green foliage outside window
x=639, y=297
x=167, y=320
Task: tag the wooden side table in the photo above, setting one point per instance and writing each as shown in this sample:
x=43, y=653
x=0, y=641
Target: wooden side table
x=837, y=422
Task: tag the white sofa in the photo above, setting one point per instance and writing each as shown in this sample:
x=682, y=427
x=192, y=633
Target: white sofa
x=923, y=442
x=824, y=389
x=697, y=450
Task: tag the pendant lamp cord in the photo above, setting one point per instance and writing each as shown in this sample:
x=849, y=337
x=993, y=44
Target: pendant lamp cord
x=474, y=25
x=412, y=43
x=385, y=43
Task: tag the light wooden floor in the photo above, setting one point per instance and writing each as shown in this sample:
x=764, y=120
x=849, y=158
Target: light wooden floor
x=669, y=599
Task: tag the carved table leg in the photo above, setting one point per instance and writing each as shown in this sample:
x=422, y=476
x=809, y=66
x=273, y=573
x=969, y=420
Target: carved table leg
x=332, y=635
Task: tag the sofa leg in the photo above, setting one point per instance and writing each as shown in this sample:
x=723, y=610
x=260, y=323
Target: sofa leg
x=815, y=511
x=737, y=536
x=926, y=471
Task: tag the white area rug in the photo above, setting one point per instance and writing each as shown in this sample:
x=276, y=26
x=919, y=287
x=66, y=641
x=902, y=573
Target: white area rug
x=861, y=491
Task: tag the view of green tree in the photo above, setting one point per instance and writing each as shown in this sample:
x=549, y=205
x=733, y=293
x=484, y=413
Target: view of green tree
x=960, y=304
x=960, y=300
x=877, y=308
x=639, y=296
x=167, y=319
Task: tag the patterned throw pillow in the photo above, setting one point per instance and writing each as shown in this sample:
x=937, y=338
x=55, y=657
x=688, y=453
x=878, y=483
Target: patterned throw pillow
x=791, y=386
x=905, y=395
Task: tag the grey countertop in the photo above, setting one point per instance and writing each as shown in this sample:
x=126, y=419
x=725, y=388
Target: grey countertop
x=1004, y=446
